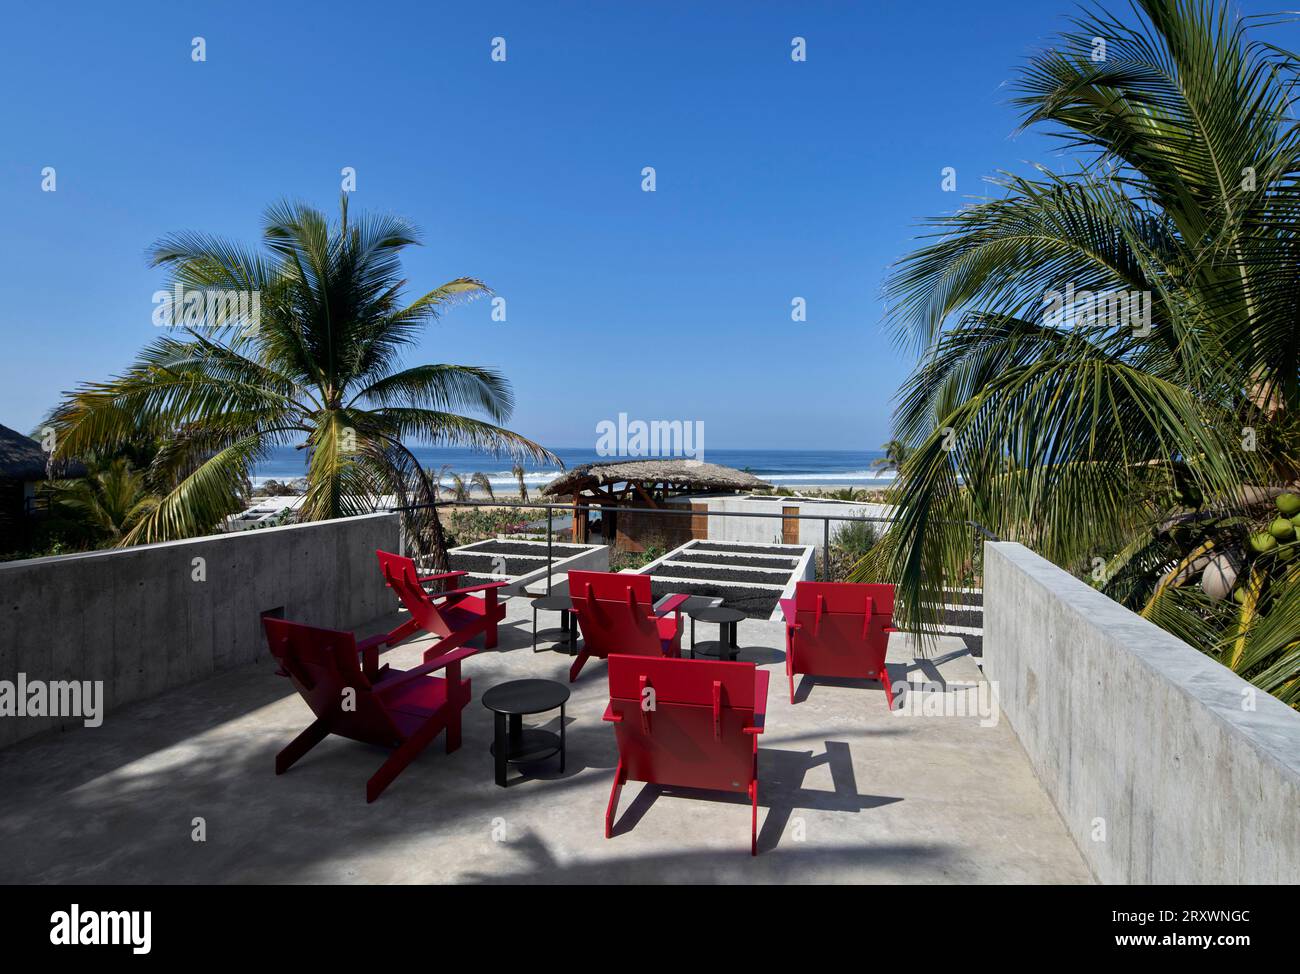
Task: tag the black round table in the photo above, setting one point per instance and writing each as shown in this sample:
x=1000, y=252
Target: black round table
x=724, y=647
x=509, y=702
x=568, y=628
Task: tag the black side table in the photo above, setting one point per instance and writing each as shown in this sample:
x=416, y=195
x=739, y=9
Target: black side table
x=568, y=625
x=725, y=646
x=509, y=702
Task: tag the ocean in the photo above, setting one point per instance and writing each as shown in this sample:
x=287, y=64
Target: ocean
x=784, y=468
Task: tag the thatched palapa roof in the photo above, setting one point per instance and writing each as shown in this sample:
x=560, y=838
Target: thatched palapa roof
x=21, y=458
x=681, y=473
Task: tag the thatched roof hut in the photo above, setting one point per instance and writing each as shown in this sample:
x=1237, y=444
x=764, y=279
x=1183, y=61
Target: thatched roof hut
x=21, y=457
x=615, y=487
x=676, y=475
x=23, y=461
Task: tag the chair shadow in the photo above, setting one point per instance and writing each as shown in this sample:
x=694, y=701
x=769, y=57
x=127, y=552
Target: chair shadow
x=780, y=790
x=761, y=655
x=803, y=689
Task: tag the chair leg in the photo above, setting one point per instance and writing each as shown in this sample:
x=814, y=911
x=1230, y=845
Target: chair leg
x=315, y=733
x=889, y=690
x=792, y=688
x=619, y=778
x=753, y=818
x=578, y=664
x=490, y=635
x=400, y=758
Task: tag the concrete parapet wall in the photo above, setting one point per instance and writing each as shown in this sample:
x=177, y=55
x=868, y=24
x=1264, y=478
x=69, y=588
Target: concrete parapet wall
x=141, y=620
x=1165, y=765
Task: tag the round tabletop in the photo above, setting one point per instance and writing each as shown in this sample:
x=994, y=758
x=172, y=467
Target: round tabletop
x=553, y=603
x=719, y=614
x=525, y=696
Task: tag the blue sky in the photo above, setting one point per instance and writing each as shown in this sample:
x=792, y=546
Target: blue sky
x=775, y=179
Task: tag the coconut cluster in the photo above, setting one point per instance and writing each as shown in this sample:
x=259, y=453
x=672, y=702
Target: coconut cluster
x=1219, y=580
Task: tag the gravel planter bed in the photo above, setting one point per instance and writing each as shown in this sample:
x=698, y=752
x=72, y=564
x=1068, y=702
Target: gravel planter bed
x=493, y=564
x=754, y=602
x=735, y=561
x=495, y=547
x=744, y=549
x=681, y=570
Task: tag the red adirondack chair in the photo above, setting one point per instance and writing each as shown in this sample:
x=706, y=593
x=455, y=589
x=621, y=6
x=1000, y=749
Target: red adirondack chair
x=616, y=614
x=454, y=616
x=839, y=629
x=687, y=723
x=405, y=710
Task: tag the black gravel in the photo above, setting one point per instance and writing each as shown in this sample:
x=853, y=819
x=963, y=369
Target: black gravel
x=755, y=603
x=738, y=561
x=677, y=570
x=744, y=549
x=524, y=548
x=493, y=564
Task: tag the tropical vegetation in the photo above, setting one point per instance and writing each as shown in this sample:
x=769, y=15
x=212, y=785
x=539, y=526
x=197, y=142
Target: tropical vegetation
x=318, y=366
x=1107, y=354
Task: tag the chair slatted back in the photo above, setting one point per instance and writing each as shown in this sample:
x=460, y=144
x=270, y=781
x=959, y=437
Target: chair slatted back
x=615, y=613
x=842, y=628
x=401, y=575
x=325, y=669
x=683, y=721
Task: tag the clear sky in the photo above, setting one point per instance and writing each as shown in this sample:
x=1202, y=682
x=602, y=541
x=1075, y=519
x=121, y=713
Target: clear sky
x=775, y=179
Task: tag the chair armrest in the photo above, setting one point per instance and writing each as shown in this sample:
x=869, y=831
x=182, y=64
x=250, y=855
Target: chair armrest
x=611, y=715
x=760, y=702
x=369, y=650
x=788, y=610
x=671, y=603
x=433, y=578
x=424, y=669
x=458, y=592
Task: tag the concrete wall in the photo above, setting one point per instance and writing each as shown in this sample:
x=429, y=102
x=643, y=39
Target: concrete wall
x=1129, y=727
x=136, y=618
x=767, y=530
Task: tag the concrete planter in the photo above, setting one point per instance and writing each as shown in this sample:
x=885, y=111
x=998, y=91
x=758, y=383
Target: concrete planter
x=522, y=564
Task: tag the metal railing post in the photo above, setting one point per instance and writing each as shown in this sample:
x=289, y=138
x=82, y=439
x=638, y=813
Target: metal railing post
x=550, y=511
x=826, y=549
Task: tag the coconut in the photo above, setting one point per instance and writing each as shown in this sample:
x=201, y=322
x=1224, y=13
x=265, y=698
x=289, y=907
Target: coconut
x=1288, y=504
x=1263, y=541
x=1220, y=576
x=1282, y=529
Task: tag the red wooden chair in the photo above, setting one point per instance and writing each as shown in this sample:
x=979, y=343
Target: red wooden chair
x=616, y=614
x=839, y=629
x=454, y=616
x=405, y=710
x=687, y=723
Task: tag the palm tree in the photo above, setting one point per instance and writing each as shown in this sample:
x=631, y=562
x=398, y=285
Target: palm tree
x=895, y=454
x=480, y=480
x=459, y=488
x=320, y=367
x=109, y=501
x=1151, y=435
x=518, y=471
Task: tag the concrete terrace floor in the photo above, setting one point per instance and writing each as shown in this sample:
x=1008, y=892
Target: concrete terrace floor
x=848, y=792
